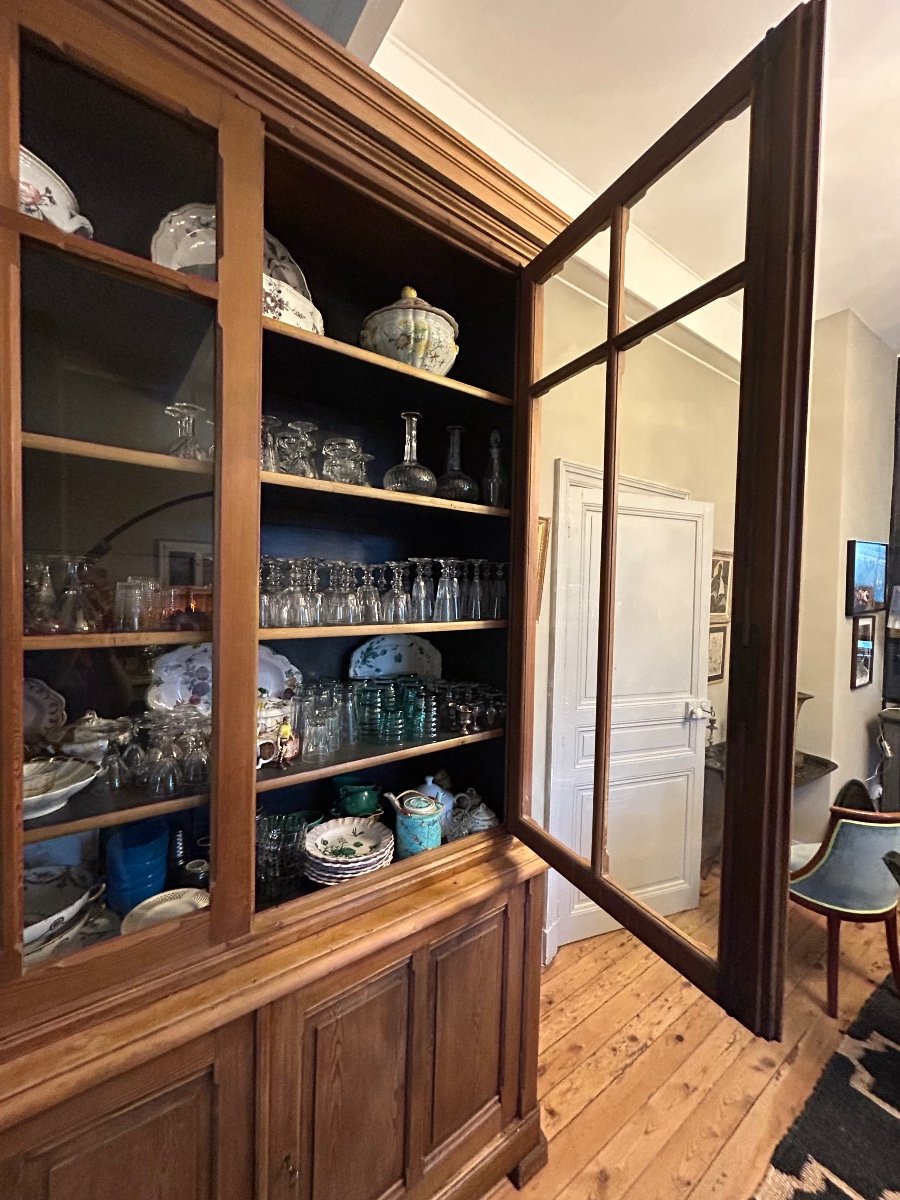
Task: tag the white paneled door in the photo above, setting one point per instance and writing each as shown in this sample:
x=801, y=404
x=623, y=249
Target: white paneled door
x=655, y=811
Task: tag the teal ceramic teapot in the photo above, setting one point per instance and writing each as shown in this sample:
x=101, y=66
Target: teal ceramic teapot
x=418, y=822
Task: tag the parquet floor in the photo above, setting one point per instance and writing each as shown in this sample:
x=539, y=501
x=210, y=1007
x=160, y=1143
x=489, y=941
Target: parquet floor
x=649, y=1092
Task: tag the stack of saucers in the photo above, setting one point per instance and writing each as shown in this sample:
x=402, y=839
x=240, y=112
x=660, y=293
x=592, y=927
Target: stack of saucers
x=346, y=848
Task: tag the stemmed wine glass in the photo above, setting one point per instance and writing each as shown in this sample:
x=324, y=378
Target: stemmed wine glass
x=446, y=602
x=268, y=453
x=474, y=609
x=369, y=597
x=395, y=603
x=186, y=444
x=421, y=606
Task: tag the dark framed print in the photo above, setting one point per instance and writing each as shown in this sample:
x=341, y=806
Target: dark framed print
x=863, y=657
x=866, y=577
x=720, y=586
x=718, y=649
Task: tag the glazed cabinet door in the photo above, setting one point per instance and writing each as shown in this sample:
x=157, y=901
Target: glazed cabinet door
x=177, y=1128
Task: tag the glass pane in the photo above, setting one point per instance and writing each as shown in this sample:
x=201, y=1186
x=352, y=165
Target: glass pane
x=565, y=697
x=678, y=423
x=119, y=553
x=691, y=225
x=575, y=305
x=101, y=163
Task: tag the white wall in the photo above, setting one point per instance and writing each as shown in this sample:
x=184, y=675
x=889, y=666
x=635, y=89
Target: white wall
x=848, y=495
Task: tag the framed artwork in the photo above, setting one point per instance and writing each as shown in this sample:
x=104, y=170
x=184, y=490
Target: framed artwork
x=863, y=657
x=184, y=563
x=720, y=586
x=543, y=546
x=718, y=652
x=866, y=577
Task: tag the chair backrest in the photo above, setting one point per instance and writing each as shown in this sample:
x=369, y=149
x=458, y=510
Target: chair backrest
x=851, y=875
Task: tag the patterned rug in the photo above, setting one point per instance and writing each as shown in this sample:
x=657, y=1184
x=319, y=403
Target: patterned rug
x=845, y=1145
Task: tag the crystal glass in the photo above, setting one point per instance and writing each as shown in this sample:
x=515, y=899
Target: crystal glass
x=495, y=604
x=75, y=610
x=369, y=598
x=395, y=603
x=410, y=475
x=362, y=468
x=495, y=485
x=446, y=600
x=421, y=605
x=268, y=453
x=454, y=484
x=340, y=463
x=165, y=779
x=296, y=450
x=474, y=606
x=39, y=597
x=186, y=444
x=280, y=850
x=317, y=739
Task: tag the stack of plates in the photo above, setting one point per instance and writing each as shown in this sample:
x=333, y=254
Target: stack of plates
x=346, y=848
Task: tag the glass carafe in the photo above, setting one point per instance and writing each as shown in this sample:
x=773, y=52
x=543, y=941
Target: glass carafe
x=454, y=484
x=495, y=485
x=411, y=475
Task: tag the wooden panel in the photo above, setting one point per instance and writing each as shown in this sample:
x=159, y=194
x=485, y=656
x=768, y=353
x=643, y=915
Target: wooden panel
x=354, y=1086
x=467, y=1013
x=240, y=228
x=175, y=1129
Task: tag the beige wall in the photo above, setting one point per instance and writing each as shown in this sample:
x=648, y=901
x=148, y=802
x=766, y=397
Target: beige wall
x=678, y=428
x=848, y=495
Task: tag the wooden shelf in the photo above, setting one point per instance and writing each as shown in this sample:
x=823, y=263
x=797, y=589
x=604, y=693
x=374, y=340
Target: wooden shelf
x=354, y=758
x=107, y=258
x=385, y=364
x=330, y=631
x=115, y=640
x=98, y=808
x=277, y=479
x=120, y=454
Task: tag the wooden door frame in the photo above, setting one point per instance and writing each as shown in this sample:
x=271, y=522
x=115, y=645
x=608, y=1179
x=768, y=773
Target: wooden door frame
x=780, y=81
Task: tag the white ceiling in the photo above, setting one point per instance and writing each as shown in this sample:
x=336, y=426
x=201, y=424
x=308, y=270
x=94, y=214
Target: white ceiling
x=592, y=83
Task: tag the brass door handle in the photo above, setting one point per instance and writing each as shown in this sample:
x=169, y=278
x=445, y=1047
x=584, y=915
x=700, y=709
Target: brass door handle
x=290, y=1169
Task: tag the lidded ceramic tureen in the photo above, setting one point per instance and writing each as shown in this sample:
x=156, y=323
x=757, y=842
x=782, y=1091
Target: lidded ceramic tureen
x=44, y=195
x=412, y=332
x=90, y=736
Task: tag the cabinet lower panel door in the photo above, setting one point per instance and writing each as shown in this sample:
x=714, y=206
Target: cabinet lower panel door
x=177, y=1128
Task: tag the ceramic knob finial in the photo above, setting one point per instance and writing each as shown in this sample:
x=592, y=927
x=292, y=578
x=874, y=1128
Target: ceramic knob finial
x=408, y=293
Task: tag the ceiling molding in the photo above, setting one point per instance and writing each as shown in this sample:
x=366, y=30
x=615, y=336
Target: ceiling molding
x=654, y=275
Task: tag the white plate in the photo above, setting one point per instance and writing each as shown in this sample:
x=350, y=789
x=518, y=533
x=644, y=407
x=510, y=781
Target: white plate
x=186, y=241
x=348, y=838
x=44, y=195
x=53, y=896
x=395, y=654
x=350, y=866
x=43, y=710
x=49, y=782
x=184, y=677
x=166, y=906
x=331, y=880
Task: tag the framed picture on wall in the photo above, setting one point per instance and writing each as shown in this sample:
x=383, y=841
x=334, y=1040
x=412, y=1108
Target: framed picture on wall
x=543, y=548
x=182, y=563
x=863, y=657
x=718, y=650
x=720, y=586
x=866, y=577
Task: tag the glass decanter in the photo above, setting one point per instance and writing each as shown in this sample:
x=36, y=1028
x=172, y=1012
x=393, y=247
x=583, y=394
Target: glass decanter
x=410, y=475
x=495, y=485
x=186, y=444
x=454, y=484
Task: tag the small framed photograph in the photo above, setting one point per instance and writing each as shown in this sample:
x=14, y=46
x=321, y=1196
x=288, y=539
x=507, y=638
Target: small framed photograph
x=718, y=653
x=866, y=577
x=861, y=663
x=543, y=548
x=183, y=563
x=720, y=586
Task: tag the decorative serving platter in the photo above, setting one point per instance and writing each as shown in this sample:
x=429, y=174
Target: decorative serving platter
x=395, y=654
x=166, y=906
x=184, y=677
x=47, y=783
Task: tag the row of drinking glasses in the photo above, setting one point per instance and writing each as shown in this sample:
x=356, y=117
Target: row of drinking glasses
x=85, y=603
x=386, y=712
x=167, y=754
x=300, y=592
x=291, y=450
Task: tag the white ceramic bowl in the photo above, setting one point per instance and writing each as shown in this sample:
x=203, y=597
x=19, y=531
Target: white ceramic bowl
x=283, y=303
x=44, y=195
x=53, y=896
x=49, y=782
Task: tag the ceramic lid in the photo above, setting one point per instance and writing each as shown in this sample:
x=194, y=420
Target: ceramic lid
x=421, y=806
x=410, y=299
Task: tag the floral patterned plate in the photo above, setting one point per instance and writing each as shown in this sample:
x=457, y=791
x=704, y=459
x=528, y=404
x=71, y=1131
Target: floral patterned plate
x=348, y=839
x=184, y=676
x=395, y=654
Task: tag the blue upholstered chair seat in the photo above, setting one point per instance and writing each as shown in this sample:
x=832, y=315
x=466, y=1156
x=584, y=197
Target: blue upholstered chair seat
x=851, y=877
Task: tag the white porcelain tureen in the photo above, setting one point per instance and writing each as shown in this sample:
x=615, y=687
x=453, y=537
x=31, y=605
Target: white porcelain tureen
x=412, y=332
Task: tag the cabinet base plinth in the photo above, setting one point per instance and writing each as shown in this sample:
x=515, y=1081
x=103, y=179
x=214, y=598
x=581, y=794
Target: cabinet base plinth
x=535, y=1160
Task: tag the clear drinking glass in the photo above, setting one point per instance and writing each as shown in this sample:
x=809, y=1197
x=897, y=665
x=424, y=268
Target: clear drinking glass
x=395, y=603
x=296, y=450
x=474, y=609
x=421, y=605
x=186, y=444
x=75, y=611
x=446, y=601
x=268, y=454
x=411, y=475
x=317, y=739
x=340, y=457
x=39, y=597
x=280, y=850
x=369, y=598
x=454, y=484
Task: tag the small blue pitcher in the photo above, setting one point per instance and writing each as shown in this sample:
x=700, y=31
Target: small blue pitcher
x=418, y=823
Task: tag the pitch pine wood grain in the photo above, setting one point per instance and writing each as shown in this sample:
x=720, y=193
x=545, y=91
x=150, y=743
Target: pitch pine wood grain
x=656, y=1094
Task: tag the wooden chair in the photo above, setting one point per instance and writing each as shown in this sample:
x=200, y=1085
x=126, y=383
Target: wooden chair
x=847, y=880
